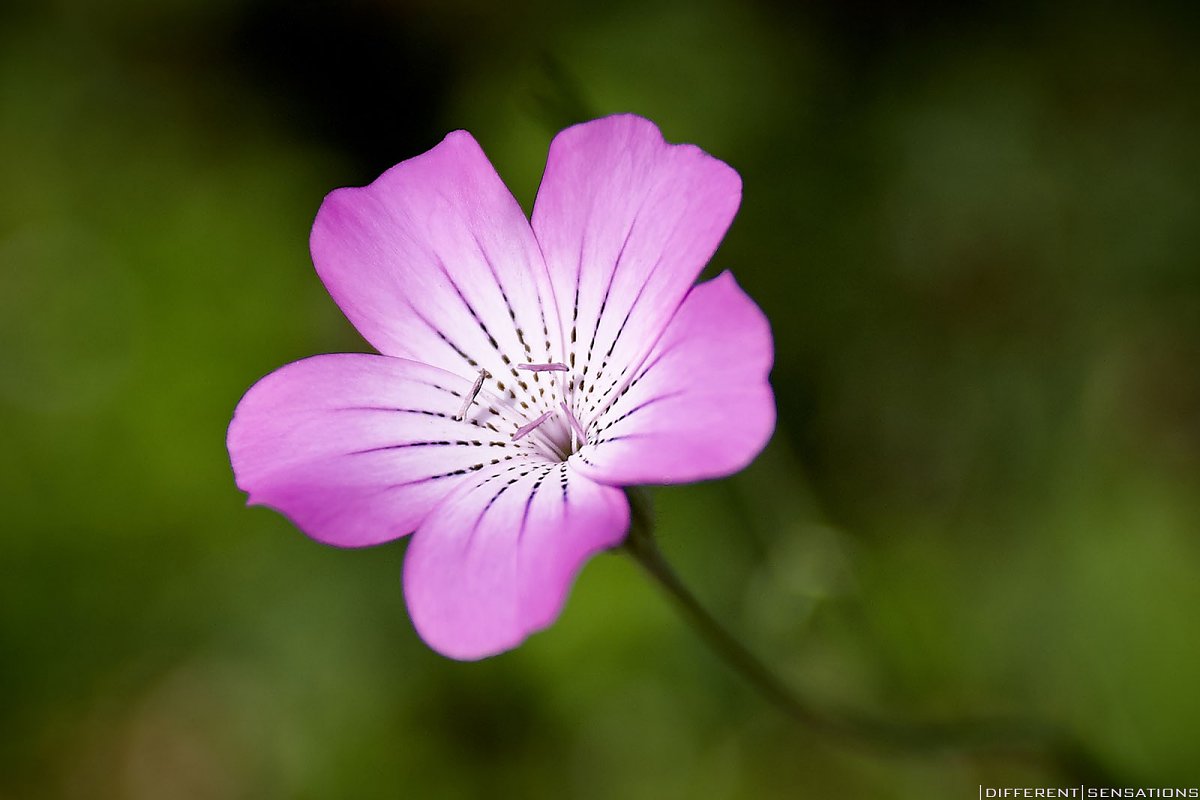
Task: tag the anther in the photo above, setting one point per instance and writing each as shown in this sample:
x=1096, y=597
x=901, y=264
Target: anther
x=574, y=422
x=471, y=395
x=525, y=429
x=555, y=367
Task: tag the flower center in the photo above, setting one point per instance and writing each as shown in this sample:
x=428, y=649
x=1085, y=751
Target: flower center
x=556, y=439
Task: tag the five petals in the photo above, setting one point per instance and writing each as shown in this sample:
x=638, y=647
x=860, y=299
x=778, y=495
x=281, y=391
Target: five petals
x=438, y=268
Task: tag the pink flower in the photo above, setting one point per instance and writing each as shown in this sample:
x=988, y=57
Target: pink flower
x=527, y=371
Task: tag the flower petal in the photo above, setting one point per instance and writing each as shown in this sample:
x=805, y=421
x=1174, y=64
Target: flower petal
x=357, y=449
x=494, y=562
x=435, y=261
x=626, y=222
x=700, y=406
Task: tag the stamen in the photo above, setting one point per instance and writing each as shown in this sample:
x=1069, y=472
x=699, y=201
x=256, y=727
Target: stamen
x=555, y=367
x=525, y=429
x=471, y=395
x=575, y=426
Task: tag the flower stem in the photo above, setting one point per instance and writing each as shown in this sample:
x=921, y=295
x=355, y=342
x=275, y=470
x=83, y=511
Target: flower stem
x=1027, y=739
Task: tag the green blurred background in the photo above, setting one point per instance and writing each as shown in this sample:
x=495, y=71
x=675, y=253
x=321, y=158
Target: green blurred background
x=976, y=233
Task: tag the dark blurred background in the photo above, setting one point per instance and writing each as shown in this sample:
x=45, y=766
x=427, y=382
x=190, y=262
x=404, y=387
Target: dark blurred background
x=976, y=232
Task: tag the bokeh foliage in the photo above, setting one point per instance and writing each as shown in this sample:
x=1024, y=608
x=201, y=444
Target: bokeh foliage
x=976, y=233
